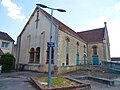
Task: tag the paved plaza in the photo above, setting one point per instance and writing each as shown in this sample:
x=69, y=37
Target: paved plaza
x=20, y=81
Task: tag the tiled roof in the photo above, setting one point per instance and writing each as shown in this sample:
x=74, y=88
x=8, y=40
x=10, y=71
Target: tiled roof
x=5, y=36
x=1, y=52
x=56, y=21
x=61, y=24
x=92, y=35
x=88, y=36
x=115, y=59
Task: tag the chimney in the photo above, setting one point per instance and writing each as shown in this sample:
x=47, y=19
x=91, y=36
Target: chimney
x=105, y=23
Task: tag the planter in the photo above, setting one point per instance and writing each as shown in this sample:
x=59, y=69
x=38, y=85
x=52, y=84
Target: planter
x=79, y=86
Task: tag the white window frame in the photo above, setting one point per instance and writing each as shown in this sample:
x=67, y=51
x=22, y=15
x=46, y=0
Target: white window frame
x=5, y=45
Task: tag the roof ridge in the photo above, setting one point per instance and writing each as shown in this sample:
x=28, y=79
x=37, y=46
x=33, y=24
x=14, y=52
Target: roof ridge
x=91, y=30
x=5, y=36
x=92, y=35
x=54, y=18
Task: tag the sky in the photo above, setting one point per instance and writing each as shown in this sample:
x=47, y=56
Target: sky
x=81, y=15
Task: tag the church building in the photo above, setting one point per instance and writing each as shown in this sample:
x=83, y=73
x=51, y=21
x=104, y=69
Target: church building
x=71, y=48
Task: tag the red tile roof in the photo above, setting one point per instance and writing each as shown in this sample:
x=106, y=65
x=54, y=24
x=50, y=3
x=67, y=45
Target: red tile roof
x=61, y=24
x=54, y=19
x=88, y=36
x=92, y=35
x=5, y=36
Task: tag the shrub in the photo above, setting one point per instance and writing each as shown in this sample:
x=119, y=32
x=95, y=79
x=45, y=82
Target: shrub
x=7, y=61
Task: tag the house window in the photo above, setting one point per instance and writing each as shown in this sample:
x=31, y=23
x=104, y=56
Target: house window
x=52, y=56
x=94, y=50
x=5, y=45
x=31, y=60
x=67, y=50
x=37, y=55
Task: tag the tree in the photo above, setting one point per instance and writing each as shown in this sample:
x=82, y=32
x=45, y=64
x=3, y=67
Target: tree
x=8, y=62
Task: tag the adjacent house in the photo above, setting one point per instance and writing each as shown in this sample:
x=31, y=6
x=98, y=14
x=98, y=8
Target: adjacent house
x=6, y=43
x=71, y=48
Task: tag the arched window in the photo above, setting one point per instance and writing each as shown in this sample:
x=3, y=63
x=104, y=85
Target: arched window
x=94, y=50
x=77, y=44
x=84, y=49
x=67, y=50
x=31, y=59
x=37, y=55
x=52, y=56
x=77, y=54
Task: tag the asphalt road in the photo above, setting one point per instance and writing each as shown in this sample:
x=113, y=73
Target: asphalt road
x=20, y=81
x=17, y=81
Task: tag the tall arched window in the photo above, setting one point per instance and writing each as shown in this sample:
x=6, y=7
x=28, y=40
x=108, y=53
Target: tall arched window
x=67, y=50
x=37, y=55
x=84, y=49
x=94, y=50
x=52, y=56
x=31, y=59
x=77, y=54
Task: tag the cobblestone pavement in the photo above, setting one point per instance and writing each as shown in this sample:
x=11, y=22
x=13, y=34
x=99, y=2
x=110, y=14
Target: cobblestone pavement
x=19, y=81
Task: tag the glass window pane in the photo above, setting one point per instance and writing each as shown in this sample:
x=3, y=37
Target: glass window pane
x=5, y=45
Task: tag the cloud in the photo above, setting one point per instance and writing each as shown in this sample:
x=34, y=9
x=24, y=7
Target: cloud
x=117, y=6
x=113, y=31
x=14, y=11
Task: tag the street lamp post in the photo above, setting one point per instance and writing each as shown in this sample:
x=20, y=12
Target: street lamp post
x=50, y=43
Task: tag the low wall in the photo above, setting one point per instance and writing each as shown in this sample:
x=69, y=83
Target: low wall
x=65, y=69
x=97, y=68
x=62, y=69
x=97, y=79
x=113, y=67
x=35, y=67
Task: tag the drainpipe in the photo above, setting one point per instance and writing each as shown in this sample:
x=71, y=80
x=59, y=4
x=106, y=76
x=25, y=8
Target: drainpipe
x=87, y=53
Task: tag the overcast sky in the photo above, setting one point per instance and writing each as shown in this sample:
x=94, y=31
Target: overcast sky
x=81, y=15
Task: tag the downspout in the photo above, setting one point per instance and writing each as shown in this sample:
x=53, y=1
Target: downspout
x=87, y=53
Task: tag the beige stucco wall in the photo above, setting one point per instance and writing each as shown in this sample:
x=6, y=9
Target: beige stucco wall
x=10, y=47
x=72, y=49
x=32, y=37
x=99, y=52
x=106, y=50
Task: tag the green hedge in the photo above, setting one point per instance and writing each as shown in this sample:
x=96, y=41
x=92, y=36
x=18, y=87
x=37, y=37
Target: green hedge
x=7, y=61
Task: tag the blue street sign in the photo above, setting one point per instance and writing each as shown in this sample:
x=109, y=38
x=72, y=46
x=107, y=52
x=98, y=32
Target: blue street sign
x=51, y=44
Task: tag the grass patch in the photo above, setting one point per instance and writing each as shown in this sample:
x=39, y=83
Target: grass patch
x=56, y=82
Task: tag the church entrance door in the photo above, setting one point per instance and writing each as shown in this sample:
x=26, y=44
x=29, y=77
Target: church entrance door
x=77, y=59
x=95, y=60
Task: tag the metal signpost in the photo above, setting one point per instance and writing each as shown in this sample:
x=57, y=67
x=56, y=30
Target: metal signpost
x=50, y=43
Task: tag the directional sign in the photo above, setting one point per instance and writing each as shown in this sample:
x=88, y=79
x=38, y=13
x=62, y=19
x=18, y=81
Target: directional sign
x=51, y=44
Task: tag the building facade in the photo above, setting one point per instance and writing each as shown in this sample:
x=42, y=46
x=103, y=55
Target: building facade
x=71, y=48
x=6, y=43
